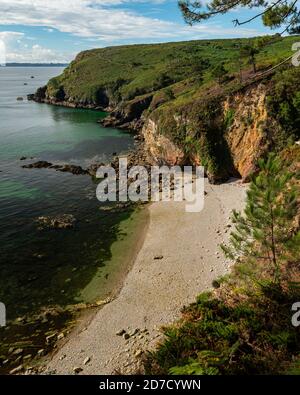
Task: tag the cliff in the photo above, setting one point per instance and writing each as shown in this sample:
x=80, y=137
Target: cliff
x=167, y=93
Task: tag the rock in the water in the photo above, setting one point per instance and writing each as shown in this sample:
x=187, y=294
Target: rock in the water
x=77, y=170
x=64, y=221
x=41, y=164
x=92, y=169
x=20, y=98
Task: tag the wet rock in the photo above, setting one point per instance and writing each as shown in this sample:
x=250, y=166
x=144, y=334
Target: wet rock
x=41, y=164
x=92, y=169
x=64, y=221
x=20, y=98
x=77, y=170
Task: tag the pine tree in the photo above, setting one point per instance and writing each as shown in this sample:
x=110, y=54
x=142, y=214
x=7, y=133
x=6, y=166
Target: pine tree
x=264, y=231
x=250, y=51
x=219, y=72
x=274, y=14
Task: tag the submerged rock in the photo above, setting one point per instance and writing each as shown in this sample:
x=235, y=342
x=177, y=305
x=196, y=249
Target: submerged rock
x=41, y=164
x=77, y=170
x=64, y=221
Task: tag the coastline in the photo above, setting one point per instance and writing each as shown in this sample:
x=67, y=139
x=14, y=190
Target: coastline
x=179, y=258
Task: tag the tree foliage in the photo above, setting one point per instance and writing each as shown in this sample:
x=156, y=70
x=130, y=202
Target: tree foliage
x=274, y=14
x=250, y=51
x=265, y=230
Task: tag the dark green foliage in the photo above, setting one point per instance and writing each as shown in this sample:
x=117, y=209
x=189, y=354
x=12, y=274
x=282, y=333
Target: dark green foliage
x=249, y=52
x=276, y=14
x=284, y=101
x=217, y=339
x=162, y=81
x=219, y=72
x=228, y=118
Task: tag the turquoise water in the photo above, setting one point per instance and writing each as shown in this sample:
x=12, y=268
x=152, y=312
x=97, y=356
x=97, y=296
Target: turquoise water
x=50, y=267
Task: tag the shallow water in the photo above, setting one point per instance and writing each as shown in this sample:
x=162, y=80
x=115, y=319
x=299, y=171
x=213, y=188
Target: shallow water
x=50, y=267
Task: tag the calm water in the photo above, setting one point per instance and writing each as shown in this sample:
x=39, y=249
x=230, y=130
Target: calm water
x=45, y=268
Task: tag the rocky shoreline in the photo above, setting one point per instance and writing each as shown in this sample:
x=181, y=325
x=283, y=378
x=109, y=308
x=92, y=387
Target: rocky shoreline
x=127, y=119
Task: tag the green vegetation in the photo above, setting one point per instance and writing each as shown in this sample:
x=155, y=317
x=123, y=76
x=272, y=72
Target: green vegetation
x=219, y=72
x=249, y=52
x=244, y=326
x=284, y=100
x=114, y=74
x=182, y=88
x=263, y=232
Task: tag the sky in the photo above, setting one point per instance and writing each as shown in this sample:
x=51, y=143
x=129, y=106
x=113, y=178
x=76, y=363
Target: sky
x=56, y=30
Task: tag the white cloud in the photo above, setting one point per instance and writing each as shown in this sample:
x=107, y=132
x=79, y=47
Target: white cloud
x=18, y=50
x=98, y=20
x=105, y=22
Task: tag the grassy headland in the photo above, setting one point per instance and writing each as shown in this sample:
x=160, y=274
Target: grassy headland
x=193, y=102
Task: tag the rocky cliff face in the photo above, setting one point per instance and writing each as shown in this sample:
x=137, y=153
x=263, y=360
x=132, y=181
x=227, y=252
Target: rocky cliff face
x=245, y=136
x=242, y=131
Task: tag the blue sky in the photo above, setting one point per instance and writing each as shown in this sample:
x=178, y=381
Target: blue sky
x=56, y=30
